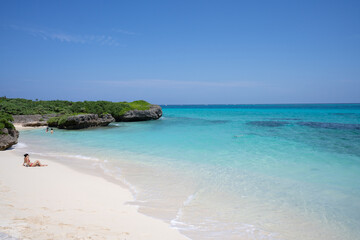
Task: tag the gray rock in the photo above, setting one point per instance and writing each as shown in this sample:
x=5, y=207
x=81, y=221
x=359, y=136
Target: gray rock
x=33, y=118
x=35, y=124
x=155, y=112
x=86, y=121
x=8, y=137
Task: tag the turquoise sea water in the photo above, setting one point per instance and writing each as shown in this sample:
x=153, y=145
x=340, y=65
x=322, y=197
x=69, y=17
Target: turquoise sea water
x=230, y=171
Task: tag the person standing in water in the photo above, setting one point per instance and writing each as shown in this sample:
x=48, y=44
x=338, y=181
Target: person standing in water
x=47, y=129
x=52, y=131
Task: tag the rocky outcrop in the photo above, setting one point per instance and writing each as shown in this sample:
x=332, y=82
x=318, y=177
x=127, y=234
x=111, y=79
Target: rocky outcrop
x=36, y=120
x=33, y=118
x=155, y=112
x=8, y=137
x=85, y=121
x=35, y=124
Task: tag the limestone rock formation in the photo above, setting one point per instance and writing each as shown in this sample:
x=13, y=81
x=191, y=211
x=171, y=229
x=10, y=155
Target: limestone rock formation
x=85, y=121
x=155, y=112
x=32, y=118
x=8, y=137
x=35, y=124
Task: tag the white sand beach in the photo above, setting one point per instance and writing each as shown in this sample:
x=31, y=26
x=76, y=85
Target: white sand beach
x=20, y=127
x=57, y=202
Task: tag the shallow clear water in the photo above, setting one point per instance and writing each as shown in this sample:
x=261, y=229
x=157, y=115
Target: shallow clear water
x=231, y=171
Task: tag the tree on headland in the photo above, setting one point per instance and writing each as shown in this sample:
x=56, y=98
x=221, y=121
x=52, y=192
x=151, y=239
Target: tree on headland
x=19, y=106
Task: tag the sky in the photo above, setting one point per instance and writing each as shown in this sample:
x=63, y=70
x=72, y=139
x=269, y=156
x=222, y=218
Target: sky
x=181, y=52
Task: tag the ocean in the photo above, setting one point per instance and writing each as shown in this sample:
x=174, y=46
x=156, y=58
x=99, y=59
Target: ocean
x=228, y=171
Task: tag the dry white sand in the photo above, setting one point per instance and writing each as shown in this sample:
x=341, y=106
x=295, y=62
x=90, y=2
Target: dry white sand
x=57, y=202
x=19, y=126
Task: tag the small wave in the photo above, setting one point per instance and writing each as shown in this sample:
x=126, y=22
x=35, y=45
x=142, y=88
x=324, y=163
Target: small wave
x=81, y=157
x=40, y=154
x=56, y=155
x=121, y=178
x=103, y=168
x=176, y=221
x=211, y=226
x=189, y=199
x=257, y=233
x=132, y=188
x=20, y=145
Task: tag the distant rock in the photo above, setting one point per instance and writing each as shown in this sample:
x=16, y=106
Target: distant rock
x=8, y=137
x=85, y=121
x=33, y=118
x=155, y=112
x=35, y=124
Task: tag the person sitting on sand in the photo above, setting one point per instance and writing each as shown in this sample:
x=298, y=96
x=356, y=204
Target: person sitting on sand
x=27, y=162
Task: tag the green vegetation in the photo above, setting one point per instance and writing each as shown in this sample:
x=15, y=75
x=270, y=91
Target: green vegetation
x=5, y=121
x=19, y=106
x=53, y=122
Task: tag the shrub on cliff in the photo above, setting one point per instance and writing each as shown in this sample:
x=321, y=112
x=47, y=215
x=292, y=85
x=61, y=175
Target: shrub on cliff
x=5, y=121
x=119, y=109
x=53, y=122
x=56, y=121
x=18, y=106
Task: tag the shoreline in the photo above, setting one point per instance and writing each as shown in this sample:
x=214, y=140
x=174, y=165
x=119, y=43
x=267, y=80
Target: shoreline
x=19, y=127
x=69, y=204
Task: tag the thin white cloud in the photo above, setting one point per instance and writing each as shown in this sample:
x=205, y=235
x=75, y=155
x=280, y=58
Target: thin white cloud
x=176, y=83
x=69, y=38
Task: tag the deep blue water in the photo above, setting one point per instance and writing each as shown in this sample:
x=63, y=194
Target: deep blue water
x=232, y=171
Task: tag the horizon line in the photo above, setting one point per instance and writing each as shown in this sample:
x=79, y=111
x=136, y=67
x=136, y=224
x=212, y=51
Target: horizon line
x=185, y=104
x=194, y=104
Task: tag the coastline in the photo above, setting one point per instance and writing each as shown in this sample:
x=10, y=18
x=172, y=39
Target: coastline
x=59, y=202
x=19, y=127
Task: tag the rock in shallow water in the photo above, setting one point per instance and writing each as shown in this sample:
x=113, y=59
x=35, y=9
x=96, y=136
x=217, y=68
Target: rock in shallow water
x=155, y=112
x=8, y=137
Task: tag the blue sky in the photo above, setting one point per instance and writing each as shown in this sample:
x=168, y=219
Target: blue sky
x=181, y=52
